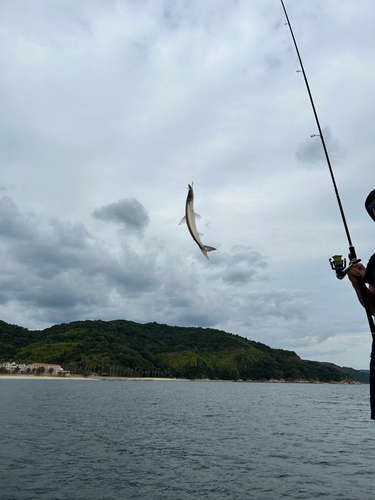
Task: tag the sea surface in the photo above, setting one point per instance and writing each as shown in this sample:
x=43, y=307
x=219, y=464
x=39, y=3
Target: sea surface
x=160, y=440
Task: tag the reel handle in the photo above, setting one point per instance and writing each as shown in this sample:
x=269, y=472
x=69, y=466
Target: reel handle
x=338, y=264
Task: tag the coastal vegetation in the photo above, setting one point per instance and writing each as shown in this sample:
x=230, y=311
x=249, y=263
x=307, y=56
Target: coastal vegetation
x=126, y=348
x=362, y=376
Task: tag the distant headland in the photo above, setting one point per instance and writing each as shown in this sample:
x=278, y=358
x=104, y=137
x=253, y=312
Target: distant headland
x=125, y=349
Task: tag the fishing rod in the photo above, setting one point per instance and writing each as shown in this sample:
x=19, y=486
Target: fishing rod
x=338, y=264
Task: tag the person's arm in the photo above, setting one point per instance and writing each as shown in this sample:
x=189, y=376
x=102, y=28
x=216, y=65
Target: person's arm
x=359, y=271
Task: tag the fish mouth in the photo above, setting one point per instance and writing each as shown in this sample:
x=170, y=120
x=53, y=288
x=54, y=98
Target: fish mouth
x=190, y=193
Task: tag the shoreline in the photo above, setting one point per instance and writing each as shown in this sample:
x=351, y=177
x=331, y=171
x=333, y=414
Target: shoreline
x=80, y=377
x=153, y=379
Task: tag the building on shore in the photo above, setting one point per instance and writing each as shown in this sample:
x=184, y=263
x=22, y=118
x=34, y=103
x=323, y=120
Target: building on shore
x=12, y=367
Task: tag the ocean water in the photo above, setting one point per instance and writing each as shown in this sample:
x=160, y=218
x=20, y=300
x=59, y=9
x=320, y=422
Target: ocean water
x=160, y=440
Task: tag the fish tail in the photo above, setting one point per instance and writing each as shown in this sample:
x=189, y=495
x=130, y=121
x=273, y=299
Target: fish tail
x=208, y=249
x=205, y=249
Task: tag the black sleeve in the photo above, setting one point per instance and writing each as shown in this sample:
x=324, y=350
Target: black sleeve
x=370, y=271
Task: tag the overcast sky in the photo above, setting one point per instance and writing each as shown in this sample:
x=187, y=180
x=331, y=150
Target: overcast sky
x=109, y=108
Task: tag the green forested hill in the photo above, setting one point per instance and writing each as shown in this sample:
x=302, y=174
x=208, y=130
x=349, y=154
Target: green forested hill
x=362, y=376
x=125, y=348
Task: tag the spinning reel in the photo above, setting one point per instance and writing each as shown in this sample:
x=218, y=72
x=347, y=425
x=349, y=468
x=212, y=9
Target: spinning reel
x=338, y=264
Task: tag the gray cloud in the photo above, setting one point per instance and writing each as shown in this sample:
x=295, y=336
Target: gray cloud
x=239, y=276
x=329, y=353
x=128, y=212
x=311, y=151
x=59, y=272
x=58, y=266
x=12, y=224
x=238, y=265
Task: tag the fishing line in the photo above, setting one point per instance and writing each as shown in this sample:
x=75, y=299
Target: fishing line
x=309, y=120
x=322, y=213
x=337, y=263
x=198, y=89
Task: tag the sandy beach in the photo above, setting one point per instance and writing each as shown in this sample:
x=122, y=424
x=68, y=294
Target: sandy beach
x=149, y=379
x=72, y=377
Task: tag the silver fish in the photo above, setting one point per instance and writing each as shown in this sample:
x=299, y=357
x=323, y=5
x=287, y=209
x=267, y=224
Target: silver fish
x=189, y=219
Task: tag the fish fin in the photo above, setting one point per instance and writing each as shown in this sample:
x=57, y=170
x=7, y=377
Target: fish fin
x=204, y=253
x=201, y=234
x=206, y=249
x=197, y=216
x=182, y=221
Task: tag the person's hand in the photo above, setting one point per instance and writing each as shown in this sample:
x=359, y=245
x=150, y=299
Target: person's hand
x=356, y=271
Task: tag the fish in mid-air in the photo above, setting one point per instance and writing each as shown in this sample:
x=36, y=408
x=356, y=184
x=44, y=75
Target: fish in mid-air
x=189, y=219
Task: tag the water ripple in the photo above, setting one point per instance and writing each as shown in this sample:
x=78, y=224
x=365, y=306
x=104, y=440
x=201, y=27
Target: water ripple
x=177, y=440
